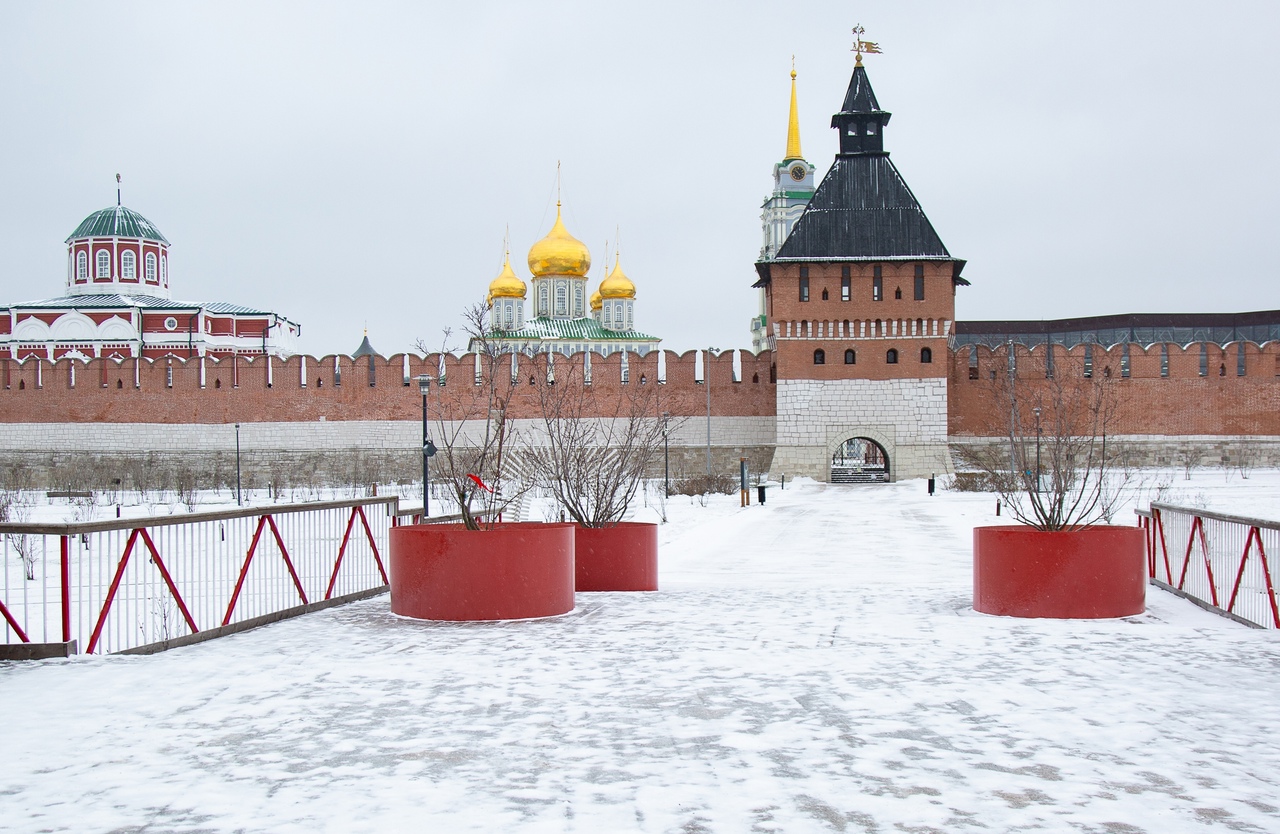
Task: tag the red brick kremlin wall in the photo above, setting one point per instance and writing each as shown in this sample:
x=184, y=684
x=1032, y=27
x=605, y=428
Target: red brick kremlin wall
x=370, y=388
x=237, y=390
x=1184, y=403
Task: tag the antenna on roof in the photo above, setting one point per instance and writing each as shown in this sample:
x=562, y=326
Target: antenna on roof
x=117, y=189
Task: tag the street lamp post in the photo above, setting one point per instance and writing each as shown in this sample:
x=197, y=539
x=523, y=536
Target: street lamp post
x=239, y=501
x=428, y=448
x=1037, y=411
x=666, y=453
x=706, y=380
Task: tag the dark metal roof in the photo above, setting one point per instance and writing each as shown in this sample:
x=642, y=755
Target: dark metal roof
x=365, y=349
x=117, y=221
x=1141, y=328
x=860, y=98
x=863, y=210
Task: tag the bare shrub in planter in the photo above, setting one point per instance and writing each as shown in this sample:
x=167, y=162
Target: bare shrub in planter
x=1055, y=471
x=595, y=450
x=471, y=429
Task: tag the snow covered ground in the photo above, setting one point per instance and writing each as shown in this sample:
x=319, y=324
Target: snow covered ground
x=809, y=665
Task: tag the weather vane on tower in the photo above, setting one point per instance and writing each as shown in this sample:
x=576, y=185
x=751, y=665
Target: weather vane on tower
x=860, y=46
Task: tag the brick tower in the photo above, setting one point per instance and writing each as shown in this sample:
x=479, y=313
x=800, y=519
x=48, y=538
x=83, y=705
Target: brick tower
x=861, y=299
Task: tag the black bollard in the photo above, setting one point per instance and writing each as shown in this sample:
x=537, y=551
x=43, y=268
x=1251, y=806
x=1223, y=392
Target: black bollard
x=931, y=483
x=997, y=506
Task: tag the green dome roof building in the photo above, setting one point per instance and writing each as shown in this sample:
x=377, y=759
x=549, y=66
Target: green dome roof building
x=117, y=250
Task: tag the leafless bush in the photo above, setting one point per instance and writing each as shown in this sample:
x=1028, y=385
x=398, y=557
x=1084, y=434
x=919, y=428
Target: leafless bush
x=596, y=449
x=15, y=508
x=1055, y=471
x=1245, y=454
x=472, y=429
x=705, y=485
x=970, y=482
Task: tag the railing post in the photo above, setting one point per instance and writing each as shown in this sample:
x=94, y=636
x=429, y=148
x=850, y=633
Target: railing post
x=65, y=570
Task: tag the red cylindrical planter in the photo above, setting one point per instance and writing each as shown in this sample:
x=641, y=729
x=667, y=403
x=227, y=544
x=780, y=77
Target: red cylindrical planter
x=1091, y=573
x=619, y=558
x=510, y=572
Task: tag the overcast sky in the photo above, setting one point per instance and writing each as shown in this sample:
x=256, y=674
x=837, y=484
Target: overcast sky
x=361, y=162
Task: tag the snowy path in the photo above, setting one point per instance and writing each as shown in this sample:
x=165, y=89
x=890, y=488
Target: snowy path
x=810, y=665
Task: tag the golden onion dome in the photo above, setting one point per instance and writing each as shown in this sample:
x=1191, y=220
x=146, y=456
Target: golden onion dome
x=507, y=284
x=617, y=285
x=559, y=253
x=597, y=301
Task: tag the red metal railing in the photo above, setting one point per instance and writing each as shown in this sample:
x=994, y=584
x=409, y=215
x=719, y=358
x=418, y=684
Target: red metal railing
x=1224, y=562
x=120, y=585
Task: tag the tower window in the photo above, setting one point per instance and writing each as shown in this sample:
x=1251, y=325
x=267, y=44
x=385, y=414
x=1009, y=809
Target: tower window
x=104, y=264
x=891, y=357
x=804, y=287
x=871, y=128
x=819, y=357
x=897, y=293
x=850, y=358
x=877, y=287
x=824, y=294
x=542, y=300
x=561, y=301
x=82, y=265
x=164, y=270
x=151, y=268
x=919, y=287
x=926, y=356
x=128, y=266
x=845, y=287
x=577, y=299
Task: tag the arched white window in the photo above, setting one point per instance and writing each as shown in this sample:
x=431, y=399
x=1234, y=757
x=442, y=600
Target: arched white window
x=151, y=267
x=629, y=314
x=164, y=270
x=608, y=319
x=542, y=300
x=104, y=263
x=129, y=266
x=577, y=300
x=82, y=265
x=561, y=300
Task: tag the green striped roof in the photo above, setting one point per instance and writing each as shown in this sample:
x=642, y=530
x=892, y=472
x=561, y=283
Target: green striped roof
x=585, y=329
x=117, y=221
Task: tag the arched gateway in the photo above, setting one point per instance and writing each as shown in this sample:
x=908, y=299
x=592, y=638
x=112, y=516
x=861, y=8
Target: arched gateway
x=860, y=460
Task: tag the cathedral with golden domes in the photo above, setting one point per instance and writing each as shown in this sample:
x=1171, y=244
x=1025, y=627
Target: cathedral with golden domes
x=564, y=318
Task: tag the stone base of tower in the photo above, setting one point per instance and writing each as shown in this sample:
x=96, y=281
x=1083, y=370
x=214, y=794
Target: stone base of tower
x=906, y=418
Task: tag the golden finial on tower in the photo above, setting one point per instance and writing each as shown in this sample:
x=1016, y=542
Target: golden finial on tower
x=860, y=46
x=557, y=183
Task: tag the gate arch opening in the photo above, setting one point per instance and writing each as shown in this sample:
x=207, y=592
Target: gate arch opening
x=860, y=460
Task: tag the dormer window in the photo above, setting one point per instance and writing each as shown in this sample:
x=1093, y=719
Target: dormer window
x=871, y=128
x=853, y=129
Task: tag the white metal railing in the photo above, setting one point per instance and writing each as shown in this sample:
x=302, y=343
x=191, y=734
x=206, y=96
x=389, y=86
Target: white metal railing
x=1224, y=562
x=117, y=585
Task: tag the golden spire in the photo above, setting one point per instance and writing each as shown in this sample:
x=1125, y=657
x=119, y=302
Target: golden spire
x=793, y=121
